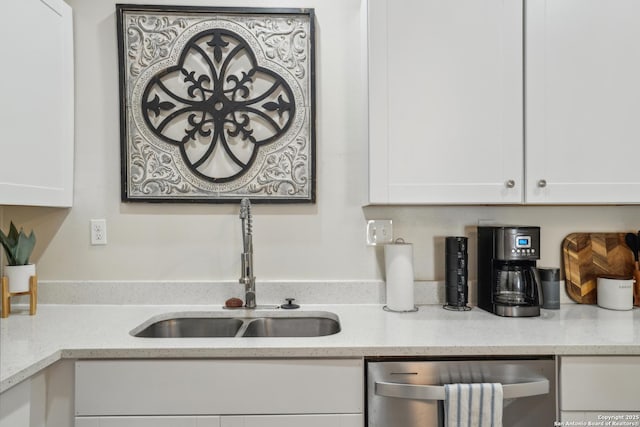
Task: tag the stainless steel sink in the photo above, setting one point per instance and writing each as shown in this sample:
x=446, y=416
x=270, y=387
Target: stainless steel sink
x=247, y=323
x=192, y=327
x=292, y=327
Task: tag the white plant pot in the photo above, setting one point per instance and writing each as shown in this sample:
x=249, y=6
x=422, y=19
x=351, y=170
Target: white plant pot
x=19, y=276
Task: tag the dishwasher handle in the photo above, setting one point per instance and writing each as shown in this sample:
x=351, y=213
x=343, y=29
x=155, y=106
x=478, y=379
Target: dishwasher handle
x=436, y=392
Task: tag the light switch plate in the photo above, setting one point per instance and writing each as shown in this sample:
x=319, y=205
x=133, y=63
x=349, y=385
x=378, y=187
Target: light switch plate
x=379, y=232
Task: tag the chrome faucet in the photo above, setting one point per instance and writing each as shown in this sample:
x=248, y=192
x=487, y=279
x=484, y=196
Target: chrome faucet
x=247, y=279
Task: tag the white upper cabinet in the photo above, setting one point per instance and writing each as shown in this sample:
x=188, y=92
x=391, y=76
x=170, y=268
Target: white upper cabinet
x=445, y=101
x=36, y=82
x=450, y=82
x=583, y=101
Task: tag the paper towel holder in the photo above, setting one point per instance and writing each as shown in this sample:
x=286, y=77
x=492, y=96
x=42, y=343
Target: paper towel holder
x=400, y=241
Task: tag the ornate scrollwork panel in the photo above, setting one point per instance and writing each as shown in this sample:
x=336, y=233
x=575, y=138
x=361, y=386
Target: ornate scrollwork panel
x=217, y=104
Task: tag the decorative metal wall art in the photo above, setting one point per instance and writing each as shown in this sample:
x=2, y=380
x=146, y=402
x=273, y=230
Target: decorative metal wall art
x=217, y=104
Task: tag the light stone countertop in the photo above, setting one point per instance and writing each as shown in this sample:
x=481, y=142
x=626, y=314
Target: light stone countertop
x=31, y=343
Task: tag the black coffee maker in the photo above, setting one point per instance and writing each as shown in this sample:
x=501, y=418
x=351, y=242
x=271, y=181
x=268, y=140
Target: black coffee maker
x=508, y=280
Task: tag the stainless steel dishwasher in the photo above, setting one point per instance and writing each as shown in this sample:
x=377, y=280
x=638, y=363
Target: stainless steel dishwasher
x=410, y=393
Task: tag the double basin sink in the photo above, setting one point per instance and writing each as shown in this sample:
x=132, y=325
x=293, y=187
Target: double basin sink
x=243, y=324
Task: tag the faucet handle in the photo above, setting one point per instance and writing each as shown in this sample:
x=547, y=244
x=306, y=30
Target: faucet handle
x=289, y=305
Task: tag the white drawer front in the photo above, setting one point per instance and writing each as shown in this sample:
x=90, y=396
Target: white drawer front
x=209, y=387
x=147, y=422
x=600, y=383
x=324, y=420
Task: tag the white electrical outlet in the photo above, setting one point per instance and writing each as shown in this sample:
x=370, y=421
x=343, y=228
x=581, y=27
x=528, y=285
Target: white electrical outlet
x=379, y=232
x=98, y=231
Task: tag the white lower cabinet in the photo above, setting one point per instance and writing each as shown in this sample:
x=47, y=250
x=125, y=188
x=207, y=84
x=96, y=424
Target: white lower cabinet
x=220, y=393
x=43, y=400
x=600, y=390
x=148, y=422
x=324, y=420
x=17, y=403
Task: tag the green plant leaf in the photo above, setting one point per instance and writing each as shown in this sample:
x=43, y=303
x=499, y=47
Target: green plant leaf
x=8, y=247
x=24, y=248
x=13, y=234
x=18, y=246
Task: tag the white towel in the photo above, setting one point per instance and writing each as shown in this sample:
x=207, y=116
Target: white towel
x=473, y=405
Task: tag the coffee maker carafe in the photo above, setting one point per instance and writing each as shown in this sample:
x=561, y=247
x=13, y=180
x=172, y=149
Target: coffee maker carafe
x=508, y=281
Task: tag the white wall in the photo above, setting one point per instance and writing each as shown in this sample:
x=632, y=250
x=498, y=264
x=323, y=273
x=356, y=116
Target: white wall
x=202, y=242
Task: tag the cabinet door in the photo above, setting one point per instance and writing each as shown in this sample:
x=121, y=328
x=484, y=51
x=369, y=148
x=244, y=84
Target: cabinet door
x=204, y=387
x=582, y=101
x=15, y=405
x=36, y=83
x=147, y=421
x=445, y=101
x=599, y=383
x=329, y=420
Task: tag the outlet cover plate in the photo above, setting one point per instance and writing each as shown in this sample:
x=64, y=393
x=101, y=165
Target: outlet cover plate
x=379, y=232
x=98, y=232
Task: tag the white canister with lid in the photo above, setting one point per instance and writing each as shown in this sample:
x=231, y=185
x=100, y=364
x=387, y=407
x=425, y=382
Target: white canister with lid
x=615, y=293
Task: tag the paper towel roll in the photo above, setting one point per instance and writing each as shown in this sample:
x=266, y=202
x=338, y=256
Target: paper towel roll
x=398, y=259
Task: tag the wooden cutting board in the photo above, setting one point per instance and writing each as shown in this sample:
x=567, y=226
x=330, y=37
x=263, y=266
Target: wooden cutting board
x=589, y=255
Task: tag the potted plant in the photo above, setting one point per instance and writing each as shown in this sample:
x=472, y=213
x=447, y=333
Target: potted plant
x=18, y=247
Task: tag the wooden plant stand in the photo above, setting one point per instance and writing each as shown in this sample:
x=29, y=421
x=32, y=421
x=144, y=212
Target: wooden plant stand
x=6, y=296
